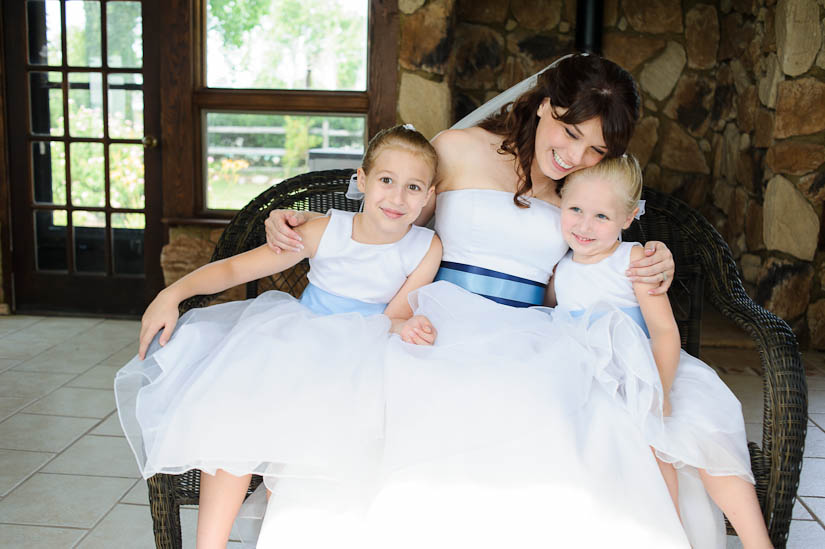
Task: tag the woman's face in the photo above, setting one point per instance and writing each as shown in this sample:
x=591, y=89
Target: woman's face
x=562, y=148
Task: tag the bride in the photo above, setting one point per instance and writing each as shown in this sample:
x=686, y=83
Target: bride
x=499, y=435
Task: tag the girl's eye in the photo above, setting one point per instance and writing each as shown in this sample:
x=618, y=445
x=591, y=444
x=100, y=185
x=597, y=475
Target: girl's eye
x=386, y=180
x=602, y=216
x=413, y=187
x=575, y=209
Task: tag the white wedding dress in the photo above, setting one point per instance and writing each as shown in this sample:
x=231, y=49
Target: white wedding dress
x=499, y=435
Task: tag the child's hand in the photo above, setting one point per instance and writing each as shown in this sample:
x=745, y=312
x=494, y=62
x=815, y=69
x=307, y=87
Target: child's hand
x=162, y=313
x=418, y=330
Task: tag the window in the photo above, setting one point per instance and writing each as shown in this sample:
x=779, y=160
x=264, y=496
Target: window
x=283, y=87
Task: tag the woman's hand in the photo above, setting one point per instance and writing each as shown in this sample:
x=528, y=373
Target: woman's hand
x=656, y=267
x=279, y=233
x=418, y=330
x=162, y=313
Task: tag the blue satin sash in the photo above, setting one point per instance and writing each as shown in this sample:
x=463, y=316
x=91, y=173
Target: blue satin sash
x=499, y=287
x=324, y=303
x=635, y=313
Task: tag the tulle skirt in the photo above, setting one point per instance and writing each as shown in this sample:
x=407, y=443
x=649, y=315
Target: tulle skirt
x=507, y=432
x=261, y=386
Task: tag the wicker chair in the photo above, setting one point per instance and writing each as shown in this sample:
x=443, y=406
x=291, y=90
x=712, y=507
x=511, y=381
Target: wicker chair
x=703, y=262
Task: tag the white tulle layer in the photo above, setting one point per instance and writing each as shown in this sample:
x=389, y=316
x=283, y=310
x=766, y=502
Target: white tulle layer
x=497, y=436
x=260, y=386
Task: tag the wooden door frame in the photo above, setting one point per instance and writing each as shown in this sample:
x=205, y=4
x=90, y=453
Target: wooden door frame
x=153, y=238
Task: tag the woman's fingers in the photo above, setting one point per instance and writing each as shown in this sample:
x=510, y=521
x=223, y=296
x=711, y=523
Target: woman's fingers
x=279, y=233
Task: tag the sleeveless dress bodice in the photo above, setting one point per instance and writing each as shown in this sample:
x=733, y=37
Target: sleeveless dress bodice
x=483, y=227
x=349, y=276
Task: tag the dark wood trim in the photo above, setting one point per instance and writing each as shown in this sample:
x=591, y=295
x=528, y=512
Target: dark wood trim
x=6, y=262
x=282, y=100
x=383, y=65
x=206, y=221
x=177, y=111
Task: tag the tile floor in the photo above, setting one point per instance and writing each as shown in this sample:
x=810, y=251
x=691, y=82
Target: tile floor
x=68, y=478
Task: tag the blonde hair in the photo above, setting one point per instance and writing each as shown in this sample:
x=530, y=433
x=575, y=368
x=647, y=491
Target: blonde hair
x=401, y=137
x=624, y=170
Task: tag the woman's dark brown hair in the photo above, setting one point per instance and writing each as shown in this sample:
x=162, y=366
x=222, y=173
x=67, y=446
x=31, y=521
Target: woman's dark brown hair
x=586, y=86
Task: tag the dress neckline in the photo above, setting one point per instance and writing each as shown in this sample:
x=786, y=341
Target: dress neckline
x=508, y=193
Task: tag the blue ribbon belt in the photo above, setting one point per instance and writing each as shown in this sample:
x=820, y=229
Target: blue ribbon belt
x=635, y=313
x=324, y=303
x=499, y=287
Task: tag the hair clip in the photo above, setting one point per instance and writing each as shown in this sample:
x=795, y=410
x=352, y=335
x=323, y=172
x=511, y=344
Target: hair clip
x=409, y=127
x=353, y=192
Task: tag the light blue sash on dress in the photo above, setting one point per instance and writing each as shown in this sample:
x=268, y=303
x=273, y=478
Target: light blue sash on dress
x=634, y=313
x=499, y=287
x=324, y=303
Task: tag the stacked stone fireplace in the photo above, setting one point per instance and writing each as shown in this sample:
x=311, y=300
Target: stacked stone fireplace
x=733, y=120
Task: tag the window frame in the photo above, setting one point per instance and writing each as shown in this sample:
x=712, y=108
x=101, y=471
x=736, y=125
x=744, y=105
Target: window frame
x=186, y=100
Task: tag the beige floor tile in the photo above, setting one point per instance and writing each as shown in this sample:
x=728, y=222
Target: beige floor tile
x=123, y=356
x=38, y=433
x=818, y=419
x=732, y=361
x=30, y=384
x=189, y=527
x=15, y=536
x=816, y=383
x=18, y=322
x=96, y=456
x=9, y=405
x=22, y=346
x=816, y=402
x=6, y=363
x=138, y=495
x=76, y=402
x=58, y=329
x=125, y=527
x=806, y=534
x=109, y=427
x=16, y=466
x=815, y=442
x=67, y=358
x=812, y=479
x=62, y=500
x=799, y=512
x=99, y=377
x=816, y=507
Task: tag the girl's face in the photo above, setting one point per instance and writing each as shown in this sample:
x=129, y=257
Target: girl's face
x=396, y=189
x=561, y=148
x=593, y=214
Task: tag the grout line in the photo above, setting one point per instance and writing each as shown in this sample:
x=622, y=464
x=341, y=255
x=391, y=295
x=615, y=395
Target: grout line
x=810, y=511
x=44, y=525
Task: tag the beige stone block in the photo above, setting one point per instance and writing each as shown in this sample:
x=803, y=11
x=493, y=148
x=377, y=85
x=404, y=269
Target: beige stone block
x=630, y=51
x=790, y=223
x=537, y=14
x=424, y=103
x=654, y=16
x=769, y=83
x=751, y=266
x=691, y=103
x=791, y=157
x=813, y=187
x=798, y=35
x=409, y=6
x=644, y=139
x=424, y=37
x=786, y=287
x=799, y=108
x=702, y=36
x=681, y=152
x=660, y=75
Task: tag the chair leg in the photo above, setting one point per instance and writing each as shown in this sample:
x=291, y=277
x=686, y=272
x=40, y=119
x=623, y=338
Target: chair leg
x=165, y=512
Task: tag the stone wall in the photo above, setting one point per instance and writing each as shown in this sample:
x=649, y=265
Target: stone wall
x=733, y=120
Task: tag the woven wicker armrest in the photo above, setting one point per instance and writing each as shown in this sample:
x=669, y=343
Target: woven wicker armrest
x=777, y=464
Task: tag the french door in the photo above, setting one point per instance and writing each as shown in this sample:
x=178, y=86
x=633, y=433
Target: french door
x=83, y=120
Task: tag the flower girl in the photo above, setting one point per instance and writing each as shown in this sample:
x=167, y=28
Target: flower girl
x=688, y=415
x=281, y=387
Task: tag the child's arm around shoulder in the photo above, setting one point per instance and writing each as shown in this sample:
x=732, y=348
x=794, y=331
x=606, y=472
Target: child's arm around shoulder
x=162, y=312
x=664, y=333
x=415, y=329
